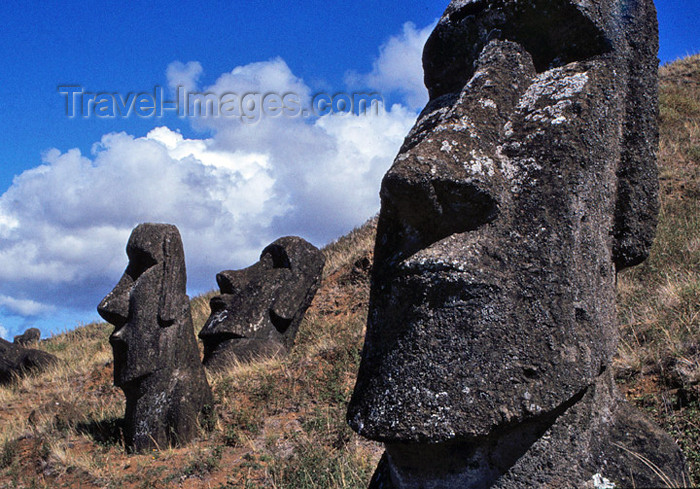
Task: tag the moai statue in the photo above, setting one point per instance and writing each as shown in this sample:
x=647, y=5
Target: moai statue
x=156, y=359
x=17, y=361
x=260, y=307
x=527, y=182
x=29, y=337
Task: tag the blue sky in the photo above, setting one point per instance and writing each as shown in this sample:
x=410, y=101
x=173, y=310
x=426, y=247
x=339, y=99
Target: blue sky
x=72, y=189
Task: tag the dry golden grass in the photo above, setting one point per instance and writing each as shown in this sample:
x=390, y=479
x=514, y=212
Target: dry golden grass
x=280, y=424
x=659, y=301
x=350, y=248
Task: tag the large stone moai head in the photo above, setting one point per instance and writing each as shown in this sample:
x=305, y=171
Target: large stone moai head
x=156, y=359
x=260, y=307
x=527, y=181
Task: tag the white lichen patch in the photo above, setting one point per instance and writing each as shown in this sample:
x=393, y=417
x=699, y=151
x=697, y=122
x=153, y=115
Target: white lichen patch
x=488, y=103
x=157, y=407
x=463, y=124
x=517, y=171
x=555, y=114
x=425, y=262
x=436, y=114
x=446, y=147
x=552, y=85
x=600, y=482
x=480, y=165
x=219, y=317
x=359, y=424
x=508, y=129
x=257, y=326
x=477, y=74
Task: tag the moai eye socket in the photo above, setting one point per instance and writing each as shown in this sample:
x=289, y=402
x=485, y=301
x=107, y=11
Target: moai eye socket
x=280, y=323
x=139, y=262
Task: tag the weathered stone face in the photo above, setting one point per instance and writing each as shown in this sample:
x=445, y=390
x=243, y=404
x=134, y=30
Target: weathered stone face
x=494, y=265
x=260, y=307
x=156, y=360
x=145, y=300
x=528, y=180
x=494, y=275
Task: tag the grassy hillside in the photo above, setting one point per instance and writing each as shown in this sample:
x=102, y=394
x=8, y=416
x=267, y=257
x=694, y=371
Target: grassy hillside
x=659, y=301
x=281, y=422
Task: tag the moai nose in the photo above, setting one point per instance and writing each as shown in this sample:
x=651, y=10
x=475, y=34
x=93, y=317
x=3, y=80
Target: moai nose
x=438, y=208
x=115, y=308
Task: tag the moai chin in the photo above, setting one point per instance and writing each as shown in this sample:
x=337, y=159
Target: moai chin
x=527, y=182
x=260, y=307
x=156, y=359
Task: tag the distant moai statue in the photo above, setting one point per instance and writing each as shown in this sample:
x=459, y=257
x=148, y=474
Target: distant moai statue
x=18, y=361
x=156, y=358
x=29, y=337
x=260, y=307
x=527, y=182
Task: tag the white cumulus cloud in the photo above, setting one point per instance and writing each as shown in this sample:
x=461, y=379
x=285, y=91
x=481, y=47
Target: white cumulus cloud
x=64, y=224
x=185, y=75
x=399, y=67
x=23, y=307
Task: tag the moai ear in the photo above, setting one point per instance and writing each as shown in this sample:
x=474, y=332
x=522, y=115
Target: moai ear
x=280, y=258
x=288, y=299
x=286, y=302
x=172, y=295
x=299, y=267
x=637, y=204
